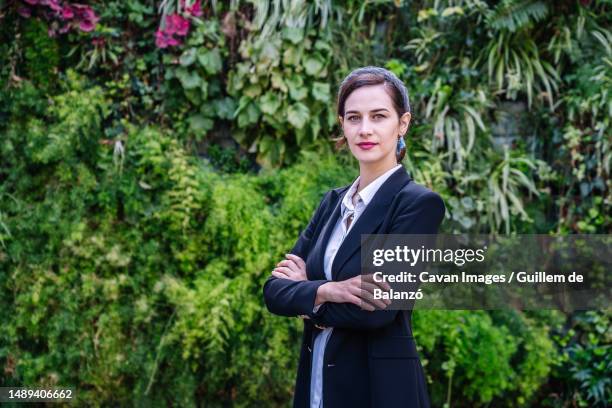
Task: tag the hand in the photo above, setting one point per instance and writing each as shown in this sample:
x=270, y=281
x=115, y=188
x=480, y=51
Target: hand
x=358, y=290
x=292, y=268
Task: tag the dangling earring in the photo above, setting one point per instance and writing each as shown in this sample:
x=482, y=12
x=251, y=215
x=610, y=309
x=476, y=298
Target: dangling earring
x=400, y=150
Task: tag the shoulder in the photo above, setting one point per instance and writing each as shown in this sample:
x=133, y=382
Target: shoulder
x=416, y=210
x=333, y=194
x=414, y=195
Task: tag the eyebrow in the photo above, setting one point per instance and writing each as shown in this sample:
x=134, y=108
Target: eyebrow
x=373, y=110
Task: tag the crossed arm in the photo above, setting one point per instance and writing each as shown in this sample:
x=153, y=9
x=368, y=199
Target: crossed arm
x=348, y=303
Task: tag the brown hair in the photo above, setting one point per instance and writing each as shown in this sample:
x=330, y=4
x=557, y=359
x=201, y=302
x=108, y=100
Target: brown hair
x=367, y=76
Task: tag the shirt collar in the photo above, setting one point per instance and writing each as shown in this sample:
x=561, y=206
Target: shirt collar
x=368, y=192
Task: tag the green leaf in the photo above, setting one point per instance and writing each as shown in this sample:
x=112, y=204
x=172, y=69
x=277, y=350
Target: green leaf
x=249, y=115
x=198, y=123
x=293, y=34
x=269, y=103
x=189, y=79
x=279, y=82
x=210, y=60
x=291, y=56
x=314, y=64
x=449, y=11
x=270, y=151
x=296, y=89
x=298, y=114
x=188, y=57
x=321, y=91
x=225, y=107
x=298, y=94
x=269, y=55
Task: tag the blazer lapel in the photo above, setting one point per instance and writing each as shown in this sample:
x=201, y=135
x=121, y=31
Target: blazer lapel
x=318, y=252
x=371, y=218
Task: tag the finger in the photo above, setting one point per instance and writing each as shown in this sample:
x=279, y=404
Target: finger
x=368, y=297
x=365, y=305
x=299, y=261
x=383, y=285
x=370, y=287
x=289, y=264
x=285, y=270
x=279, y=275
x=356, y=300
x=370, y=278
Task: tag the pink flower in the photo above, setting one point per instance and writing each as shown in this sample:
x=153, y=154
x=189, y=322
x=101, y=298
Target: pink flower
x=87, y=25
x=53, y=5
x=85, y=12
x=163, y=39
x=195, y=9
x=67, y=12
x=32, y=2
x=86, y=15
x=176, y=24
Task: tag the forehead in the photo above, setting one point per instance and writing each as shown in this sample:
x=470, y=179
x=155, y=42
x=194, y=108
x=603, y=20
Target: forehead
x=368, y=98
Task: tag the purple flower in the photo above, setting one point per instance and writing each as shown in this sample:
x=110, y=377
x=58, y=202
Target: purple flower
x=32, y=2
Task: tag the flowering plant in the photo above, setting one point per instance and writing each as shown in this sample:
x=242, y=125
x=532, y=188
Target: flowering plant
x=175, y=26
x=63, y=15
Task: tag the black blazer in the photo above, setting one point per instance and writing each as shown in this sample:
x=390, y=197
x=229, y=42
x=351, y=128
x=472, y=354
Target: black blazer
x=370, y=359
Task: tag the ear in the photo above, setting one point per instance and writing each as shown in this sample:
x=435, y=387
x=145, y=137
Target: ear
x=404, y=123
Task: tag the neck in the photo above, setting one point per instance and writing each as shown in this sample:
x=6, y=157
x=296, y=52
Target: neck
x=368, y=172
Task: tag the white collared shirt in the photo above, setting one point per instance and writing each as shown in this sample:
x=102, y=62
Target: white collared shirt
x=353, y=203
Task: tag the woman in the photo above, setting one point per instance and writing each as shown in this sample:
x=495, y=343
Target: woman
x=354, y=353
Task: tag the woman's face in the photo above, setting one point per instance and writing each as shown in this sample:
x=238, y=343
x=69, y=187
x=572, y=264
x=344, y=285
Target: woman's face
x=371, y=125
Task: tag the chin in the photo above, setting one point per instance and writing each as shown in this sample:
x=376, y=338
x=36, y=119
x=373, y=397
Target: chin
x=368, y=158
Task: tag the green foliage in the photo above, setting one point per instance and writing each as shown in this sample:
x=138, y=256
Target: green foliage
x=513, y=15
x=474, y=358
x=282, y=88
x=41, y=54
x=585, y=367
x=199, y=73
x=131, y=269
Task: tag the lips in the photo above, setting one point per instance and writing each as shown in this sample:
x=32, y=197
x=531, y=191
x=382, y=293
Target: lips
x=366, y=145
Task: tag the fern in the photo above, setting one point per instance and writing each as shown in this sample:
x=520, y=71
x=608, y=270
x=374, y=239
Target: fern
x=513, y=15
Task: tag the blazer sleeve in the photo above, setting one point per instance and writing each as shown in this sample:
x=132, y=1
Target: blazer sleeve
x=422, y=216
x=290, y=298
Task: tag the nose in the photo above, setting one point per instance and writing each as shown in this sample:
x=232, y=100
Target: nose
x=366, y=128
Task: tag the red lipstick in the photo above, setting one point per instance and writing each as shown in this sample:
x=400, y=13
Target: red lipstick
x=366, y=145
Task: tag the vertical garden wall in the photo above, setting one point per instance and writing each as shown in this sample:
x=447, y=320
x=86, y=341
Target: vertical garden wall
x=158, y=158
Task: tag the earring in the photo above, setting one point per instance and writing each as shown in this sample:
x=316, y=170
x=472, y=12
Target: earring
x=400, y=150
